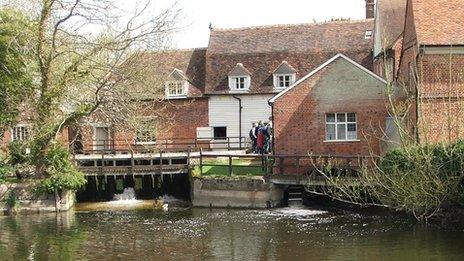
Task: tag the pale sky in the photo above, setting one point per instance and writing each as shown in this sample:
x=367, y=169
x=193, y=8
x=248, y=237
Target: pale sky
x=242, y=13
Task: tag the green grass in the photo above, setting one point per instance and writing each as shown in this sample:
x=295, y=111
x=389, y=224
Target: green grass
x=245, y=169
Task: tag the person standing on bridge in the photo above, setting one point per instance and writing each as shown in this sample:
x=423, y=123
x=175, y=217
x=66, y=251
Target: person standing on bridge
x=260, y=140
x=253, y=137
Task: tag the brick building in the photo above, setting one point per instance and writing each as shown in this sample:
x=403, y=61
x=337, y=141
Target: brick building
x=172, y=107
x=219, y=91
x=421, y=43
x=245, y=67
x=340, y=108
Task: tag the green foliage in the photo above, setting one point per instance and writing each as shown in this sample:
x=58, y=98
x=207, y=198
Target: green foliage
x=12, y=200
x=5, y=169
x=61, y=174
x=17, y=153
x=15, y=74
x=421, y=179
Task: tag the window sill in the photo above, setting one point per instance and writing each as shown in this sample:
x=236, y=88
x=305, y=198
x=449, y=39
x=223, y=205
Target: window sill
x=176, y=97
x=340, y=141
x=145, y=142
x=279, y=89
x=238, y=91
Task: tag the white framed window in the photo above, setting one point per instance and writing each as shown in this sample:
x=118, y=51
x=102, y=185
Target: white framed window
x=282, y=81
x=368, y=34
x=239, y=83
x=146, y=132
x=176, y=89
x=340, y=126
x=20, y=132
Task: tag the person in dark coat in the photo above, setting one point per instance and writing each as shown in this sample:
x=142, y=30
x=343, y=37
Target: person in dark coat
x=253, y=137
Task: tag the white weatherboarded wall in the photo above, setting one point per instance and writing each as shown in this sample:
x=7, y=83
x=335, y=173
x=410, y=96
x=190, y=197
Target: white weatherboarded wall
x=224, y=112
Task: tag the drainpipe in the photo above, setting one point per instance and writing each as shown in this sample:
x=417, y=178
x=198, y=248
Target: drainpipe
x=239, y=119
x=273, y=126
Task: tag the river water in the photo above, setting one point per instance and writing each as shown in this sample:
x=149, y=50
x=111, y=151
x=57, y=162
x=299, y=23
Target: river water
x=114, y=231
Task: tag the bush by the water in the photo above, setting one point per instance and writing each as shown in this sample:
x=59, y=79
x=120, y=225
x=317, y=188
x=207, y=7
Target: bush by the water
x=423, y=180
x=61, y=174
x=420, y=179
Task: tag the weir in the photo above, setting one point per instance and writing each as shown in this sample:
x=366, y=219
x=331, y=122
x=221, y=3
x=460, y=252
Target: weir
x=153, y=175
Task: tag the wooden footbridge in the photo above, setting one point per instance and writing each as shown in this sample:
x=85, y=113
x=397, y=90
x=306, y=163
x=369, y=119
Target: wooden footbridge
x=279, y=169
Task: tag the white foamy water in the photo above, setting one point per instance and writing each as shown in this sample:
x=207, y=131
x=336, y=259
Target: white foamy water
x=298, y=211
x=126, y=197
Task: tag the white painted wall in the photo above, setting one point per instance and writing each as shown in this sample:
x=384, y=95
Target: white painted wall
x=224, y=112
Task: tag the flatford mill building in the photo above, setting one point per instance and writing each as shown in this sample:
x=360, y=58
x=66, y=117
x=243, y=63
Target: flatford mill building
x=325, y=81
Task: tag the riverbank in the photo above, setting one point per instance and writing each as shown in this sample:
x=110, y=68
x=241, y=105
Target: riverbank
x=27, y=200
x=227, y=192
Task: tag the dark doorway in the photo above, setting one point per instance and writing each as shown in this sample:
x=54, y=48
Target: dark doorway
x=220, y=133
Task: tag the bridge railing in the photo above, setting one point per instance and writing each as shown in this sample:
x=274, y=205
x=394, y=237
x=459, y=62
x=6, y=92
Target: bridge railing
x=172, y=144
x=294, y=165
x=223, y=164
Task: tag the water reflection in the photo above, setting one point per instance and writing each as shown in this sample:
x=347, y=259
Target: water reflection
x=204, y=234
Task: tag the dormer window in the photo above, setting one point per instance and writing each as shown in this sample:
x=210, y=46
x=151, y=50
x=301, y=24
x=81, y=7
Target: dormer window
x=284, y=80
x=239, y=78
x=239, y=83
x=177, y=85
x=284, y=76
x=176, y=88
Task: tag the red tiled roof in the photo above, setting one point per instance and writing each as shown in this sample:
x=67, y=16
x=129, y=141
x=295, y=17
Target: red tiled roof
x=191, y=63
x=439, y=22
x=262, y=49
x=329, y=36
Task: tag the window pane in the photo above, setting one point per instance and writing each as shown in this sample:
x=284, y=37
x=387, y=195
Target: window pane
x=351, y=135
x=351, y=127
x=330, y=117
x=330, y=132
x=341, y=117
x=341, y=131
x=351, y=117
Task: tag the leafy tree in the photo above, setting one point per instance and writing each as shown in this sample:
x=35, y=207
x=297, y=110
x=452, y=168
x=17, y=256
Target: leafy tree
x=15, y=62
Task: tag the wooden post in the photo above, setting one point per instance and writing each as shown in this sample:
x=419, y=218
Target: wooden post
x=102, y=162
x=266, y=160
x=132, y=163
x=201, y=161
x=228, y=143
x=230, y=165
x=161, y=163
x=196, y=143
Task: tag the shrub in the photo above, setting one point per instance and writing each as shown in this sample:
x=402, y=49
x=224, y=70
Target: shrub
x=5, y=169
x=12, y=200
x=61, y=174
x=17, y=153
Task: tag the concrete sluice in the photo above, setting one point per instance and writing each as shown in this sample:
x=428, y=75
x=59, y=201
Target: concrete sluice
x=144, y=187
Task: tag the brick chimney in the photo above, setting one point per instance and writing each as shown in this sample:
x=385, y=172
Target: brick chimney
x=370, y=9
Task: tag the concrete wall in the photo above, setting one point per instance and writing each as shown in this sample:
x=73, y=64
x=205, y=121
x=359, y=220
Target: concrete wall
x=32, y=202
x=250, y=193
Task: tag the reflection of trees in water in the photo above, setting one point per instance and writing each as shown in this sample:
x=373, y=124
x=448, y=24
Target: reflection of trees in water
x=40, y=237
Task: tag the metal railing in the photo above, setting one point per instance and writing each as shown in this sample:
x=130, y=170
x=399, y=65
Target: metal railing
x=291, y=165
x=286, y=164
x=171, y=144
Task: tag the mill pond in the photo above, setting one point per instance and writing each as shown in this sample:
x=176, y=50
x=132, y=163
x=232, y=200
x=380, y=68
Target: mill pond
x=132, y=230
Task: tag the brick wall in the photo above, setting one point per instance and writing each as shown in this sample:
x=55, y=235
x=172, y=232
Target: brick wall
x=173, y=119
x=299, y=115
